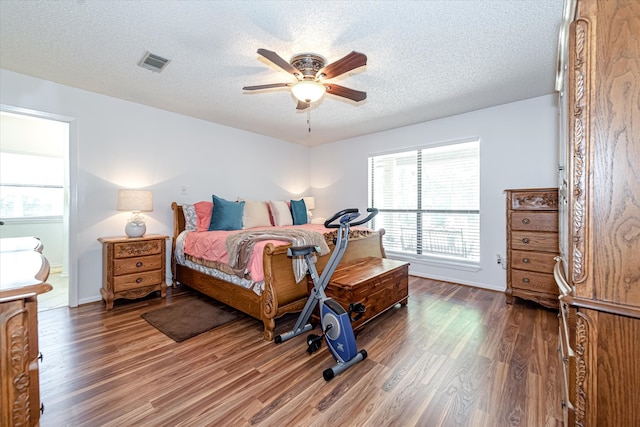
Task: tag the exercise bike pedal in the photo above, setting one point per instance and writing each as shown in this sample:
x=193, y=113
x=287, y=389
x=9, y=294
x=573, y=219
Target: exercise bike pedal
x=314, y=342
x=359, y=309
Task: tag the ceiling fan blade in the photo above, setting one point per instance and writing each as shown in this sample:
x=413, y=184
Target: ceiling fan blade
x=277, y=60
x=345, y=92
x=341, y=66
x=302, y=105
x=267, y=86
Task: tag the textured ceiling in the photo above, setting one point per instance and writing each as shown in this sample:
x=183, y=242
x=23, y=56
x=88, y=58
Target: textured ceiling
x=426, y=59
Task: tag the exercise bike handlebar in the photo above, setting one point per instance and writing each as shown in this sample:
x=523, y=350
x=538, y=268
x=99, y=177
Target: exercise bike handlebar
x=348, y=215
x=372, y=212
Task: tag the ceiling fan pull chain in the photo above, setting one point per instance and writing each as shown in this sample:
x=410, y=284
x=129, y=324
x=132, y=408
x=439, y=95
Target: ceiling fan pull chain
x=309, y=115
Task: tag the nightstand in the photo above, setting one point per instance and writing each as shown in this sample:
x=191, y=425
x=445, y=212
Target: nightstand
x=133, y=267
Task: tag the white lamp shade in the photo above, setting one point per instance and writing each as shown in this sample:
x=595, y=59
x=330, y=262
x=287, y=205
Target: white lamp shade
x=308, y=90
x=135, y=200
x=309, y=202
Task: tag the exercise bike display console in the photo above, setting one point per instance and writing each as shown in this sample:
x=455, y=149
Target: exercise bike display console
x=335, y=320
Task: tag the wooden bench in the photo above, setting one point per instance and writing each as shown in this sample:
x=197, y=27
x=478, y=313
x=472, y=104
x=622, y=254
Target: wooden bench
x=378, y=283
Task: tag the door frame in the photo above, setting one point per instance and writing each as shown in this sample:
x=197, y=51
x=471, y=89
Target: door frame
x=70, y=219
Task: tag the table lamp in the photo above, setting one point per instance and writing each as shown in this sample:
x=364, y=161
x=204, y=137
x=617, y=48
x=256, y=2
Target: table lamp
x=135, y=201
x=310, y=203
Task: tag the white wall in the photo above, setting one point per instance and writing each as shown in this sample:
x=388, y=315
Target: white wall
x=117, y=144
x=518, y=149
x=120, y=144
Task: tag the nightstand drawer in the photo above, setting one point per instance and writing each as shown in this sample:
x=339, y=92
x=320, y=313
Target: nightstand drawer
x=534, y=221
x=534, y=241
x=136, y=249
x=135, y=265
x=542, y=262
x=133, y=281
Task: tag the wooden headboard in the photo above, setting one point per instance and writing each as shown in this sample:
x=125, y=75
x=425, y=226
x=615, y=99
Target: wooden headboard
x=178, y=219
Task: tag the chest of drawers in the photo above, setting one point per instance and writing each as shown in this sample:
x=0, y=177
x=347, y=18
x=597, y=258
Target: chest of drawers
x=132, y=267
x=532, y=244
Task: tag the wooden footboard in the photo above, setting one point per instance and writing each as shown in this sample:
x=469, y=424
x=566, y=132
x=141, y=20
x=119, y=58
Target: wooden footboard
x=281, y=293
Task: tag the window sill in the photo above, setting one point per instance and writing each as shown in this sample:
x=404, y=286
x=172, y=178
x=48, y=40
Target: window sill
x=435, y=261
x=33, y=220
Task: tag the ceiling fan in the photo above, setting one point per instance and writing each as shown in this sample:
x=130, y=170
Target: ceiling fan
x=311, y=72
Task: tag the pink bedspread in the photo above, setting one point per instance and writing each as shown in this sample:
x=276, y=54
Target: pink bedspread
x=211, y=246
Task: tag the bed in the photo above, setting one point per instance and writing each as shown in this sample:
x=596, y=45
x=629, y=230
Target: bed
x=278, y=292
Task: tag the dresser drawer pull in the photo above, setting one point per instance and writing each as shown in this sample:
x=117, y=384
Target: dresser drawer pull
x=525, y=280
x=139, y=280
x=525, y=240
x=40, y=357
x=138, y=264
x=525, y=260
x=525, y=221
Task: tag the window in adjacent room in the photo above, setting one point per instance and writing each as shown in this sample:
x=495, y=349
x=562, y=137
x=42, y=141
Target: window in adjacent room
x=429, y=200
x=31, y=186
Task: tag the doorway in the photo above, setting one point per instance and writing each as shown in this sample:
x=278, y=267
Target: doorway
x=35, y=192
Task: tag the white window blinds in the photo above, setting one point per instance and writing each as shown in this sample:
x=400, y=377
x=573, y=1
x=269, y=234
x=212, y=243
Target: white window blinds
x=31, y=186
x=429, y=200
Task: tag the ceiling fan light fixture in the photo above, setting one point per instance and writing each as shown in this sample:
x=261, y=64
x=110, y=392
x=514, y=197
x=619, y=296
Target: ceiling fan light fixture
x=308, y=90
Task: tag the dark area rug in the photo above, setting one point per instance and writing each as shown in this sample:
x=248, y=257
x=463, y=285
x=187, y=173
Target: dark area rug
x=186, y=319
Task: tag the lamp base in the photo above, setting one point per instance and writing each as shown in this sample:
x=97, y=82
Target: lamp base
x=135, y=229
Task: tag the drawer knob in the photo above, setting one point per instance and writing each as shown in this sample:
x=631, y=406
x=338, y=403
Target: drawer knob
x=138, y=264
x=525, y=240
x=42, y=408
x=525, y=260
x=525, y=221
x=525, y=280
x=139, y=280
x=40, y=357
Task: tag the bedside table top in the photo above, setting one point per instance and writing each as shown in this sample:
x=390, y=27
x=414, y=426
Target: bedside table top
x=118, y=239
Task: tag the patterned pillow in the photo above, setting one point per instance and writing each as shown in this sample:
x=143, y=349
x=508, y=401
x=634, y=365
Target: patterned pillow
x=190, y=218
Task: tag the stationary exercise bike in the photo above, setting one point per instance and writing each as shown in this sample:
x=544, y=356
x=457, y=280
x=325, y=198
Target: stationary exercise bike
x=335, y=320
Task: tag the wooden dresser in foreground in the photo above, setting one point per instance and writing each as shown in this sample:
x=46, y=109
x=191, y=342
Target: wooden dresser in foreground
x=133, y=267
x=598, y=271
x=22, y=280
x=532, y=244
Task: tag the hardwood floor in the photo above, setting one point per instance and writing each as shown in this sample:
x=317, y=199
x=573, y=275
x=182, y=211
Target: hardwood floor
x=455, y=356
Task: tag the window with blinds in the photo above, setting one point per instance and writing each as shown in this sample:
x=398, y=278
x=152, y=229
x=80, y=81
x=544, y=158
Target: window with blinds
x=429, y=200
x=31, y=186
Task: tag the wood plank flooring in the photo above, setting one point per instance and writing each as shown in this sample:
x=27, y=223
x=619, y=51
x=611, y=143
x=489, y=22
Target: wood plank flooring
x=455, y=356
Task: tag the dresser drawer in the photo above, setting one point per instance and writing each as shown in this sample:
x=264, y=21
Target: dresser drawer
x=133, y=281
x=531, y=280
x=136, y=249
x=534, y=221
x=534, y=241
x=542, y=262
x=133, y=265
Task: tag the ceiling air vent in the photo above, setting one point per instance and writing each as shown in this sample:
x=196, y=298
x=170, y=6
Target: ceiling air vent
x=153, y=62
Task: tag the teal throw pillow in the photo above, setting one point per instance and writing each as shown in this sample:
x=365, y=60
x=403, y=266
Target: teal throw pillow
x=226, y=215
x=299, y=212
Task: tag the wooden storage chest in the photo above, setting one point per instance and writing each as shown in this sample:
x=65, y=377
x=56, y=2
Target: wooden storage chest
x=378, y=283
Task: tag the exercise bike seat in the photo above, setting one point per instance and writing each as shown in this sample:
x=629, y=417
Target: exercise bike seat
x=302, y=250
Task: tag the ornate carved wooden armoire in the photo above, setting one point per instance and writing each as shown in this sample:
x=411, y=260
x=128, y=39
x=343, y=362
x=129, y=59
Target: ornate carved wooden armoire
x=598, y=270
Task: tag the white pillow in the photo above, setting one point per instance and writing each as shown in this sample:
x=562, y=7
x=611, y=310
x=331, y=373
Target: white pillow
x=280, y=213
x=256, y=214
